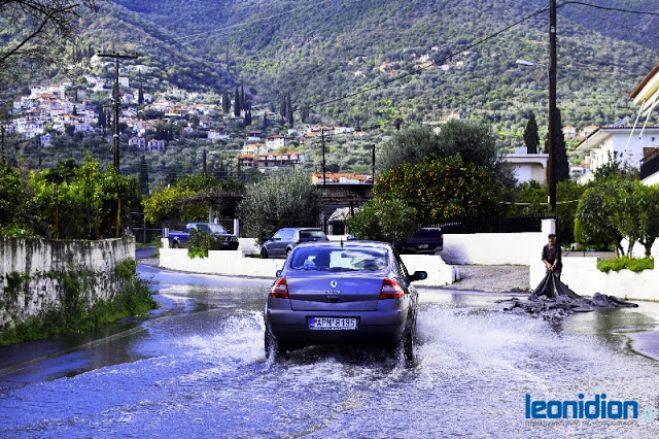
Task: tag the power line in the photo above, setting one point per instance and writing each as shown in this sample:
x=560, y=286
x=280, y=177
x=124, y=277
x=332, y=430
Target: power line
x=431, y=63
x=610, y=8
x=223, y=31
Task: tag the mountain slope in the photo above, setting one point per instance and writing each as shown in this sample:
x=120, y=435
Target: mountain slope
x=323, y=50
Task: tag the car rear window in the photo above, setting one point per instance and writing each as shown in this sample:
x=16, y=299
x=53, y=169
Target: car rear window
x=428, y=234
x=339, y=259
x=312, y=234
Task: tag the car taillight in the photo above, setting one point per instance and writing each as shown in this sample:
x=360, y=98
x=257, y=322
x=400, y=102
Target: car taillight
x=391, y=290
x=279, y=289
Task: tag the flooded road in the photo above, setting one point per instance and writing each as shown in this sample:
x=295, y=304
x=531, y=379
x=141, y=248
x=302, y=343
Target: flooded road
x=197, y=369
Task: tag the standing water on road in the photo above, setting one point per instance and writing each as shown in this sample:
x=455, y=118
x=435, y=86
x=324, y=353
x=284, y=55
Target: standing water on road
x=199, y=370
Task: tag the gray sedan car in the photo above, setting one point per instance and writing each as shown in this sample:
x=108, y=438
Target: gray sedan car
x=342, y=292
x=281, y=244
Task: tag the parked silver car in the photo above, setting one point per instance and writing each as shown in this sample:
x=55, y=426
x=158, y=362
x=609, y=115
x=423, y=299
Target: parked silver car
x=286, y=239
x=337, y=292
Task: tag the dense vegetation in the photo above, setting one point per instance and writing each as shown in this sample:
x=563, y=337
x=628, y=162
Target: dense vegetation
x=69, y=201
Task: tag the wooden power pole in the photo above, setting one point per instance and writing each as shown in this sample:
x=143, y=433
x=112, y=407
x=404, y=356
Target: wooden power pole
x=117, y=101
x=551, y=166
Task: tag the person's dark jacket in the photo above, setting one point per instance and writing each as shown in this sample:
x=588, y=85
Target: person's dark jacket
x=552, y=254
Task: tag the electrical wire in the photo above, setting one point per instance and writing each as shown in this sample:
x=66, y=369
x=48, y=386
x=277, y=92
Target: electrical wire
x=609, y=8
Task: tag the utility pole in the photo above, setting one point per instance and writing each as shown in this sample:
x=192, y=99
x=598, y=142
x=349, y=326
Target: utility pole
x=117, y=101
x=373, y=162
x=322, y=140
x=2, y=144
x=551, y=174
x=205, y=163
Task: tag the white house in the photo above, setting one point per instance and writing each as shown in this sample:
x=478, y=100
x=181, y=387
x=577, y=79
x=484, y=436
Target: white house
x=156, y=145
x=527, y=167
x=216, y=135
x=624, y=144
x=137, y=142
x=46, y=140
x=646, y=97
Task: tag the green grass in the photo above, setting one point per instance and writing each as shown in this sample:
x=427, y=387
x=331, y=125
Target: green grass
x=626, y=263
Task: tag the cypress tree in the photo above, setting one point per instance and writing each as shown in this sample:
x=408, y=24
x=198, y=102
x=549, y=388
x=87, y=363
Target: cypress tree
x=236, y=103
x=561, y=164
x=243, y=103
x=282, y=106
x=289, y=111
x=226, y=102
x=531, y=138
x=248, y=114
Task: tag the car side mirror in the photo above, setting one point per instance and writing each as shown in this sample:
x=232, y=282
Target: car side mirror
x=278, y=273
x=418, y=275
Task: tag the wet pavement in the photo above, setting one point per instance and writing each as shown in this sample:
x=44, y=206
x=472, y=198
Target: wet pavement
x=197, y=369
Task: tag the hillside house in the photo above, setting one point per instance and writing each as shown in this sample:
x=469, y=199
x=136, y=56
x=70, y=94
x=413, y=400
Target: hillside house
x=156, y=145
x=340, y=178
x=527, y=167
x=137, y=142
x=569, y=132
x=271, y=160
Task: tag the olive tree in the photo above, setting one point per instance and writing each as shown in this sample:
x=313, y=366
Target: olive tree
x=281, y=200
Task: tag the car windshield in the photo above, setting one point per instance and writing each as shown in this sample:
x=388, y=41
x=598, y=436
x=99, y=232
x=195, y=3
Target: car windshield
x=312, y=234
x=339, y=259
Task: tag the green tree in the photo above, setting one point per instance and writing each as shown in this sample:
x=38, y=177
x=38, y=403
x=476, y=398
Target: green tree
x=12, y=196
x=561, y=164
x=474, y=142
x=649, y=215
x=384, y=220
x=531, y=137
x=237, y=105
x=594, y=225
x=281, y=200
x=226, y=102
x=442, y=189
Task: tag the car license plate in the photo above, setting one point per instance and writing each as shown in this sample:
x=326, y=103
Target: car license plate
x=332, y=323
x=423, y=246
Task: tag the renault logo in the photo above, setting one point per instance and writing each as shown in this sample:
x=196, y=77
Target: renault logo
x=333, y=284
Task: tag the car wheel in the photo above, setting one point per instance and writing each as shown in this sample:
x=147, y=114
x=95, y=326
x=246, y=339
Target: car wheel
x=264, y=253
x=271, y=348
x=409, y=346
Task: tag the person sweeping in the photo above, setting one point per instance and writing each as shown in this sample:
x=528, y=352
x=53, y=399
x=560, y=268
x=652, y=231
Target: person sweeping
x=551, y=256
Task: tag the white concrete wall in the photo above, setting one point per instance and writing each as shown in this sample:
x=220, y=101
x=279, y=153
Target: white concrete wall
x=493, y=248
x=439, y=272
x=651, y=180
x=224, y=262
x=234, y=263
x=583, y=277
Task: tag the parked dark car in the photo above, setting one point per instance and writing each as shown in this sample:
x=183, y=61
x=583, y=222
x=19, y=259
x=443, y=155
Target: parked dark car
x=286, y=239
x=342, y=292
x=426, y=240
x=221, y=238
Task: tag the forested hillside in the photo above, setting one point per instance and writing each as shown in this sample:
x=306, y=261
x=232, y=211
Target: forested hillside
x=323, y=50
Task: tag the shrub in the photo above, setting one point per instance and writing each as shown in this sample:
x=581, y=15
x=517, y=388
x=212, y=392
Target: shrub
x=626, y=263
x=384, y=220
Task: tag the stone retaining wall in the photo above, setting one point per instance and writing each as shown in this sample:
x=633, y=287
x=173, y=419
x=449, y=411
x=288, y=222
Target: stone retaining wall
x=39, y=275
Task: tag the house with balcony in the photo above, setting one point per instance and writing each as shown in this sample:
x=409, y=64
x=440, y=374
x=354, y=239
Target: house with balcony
x=624, y=144
x=527, y=167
